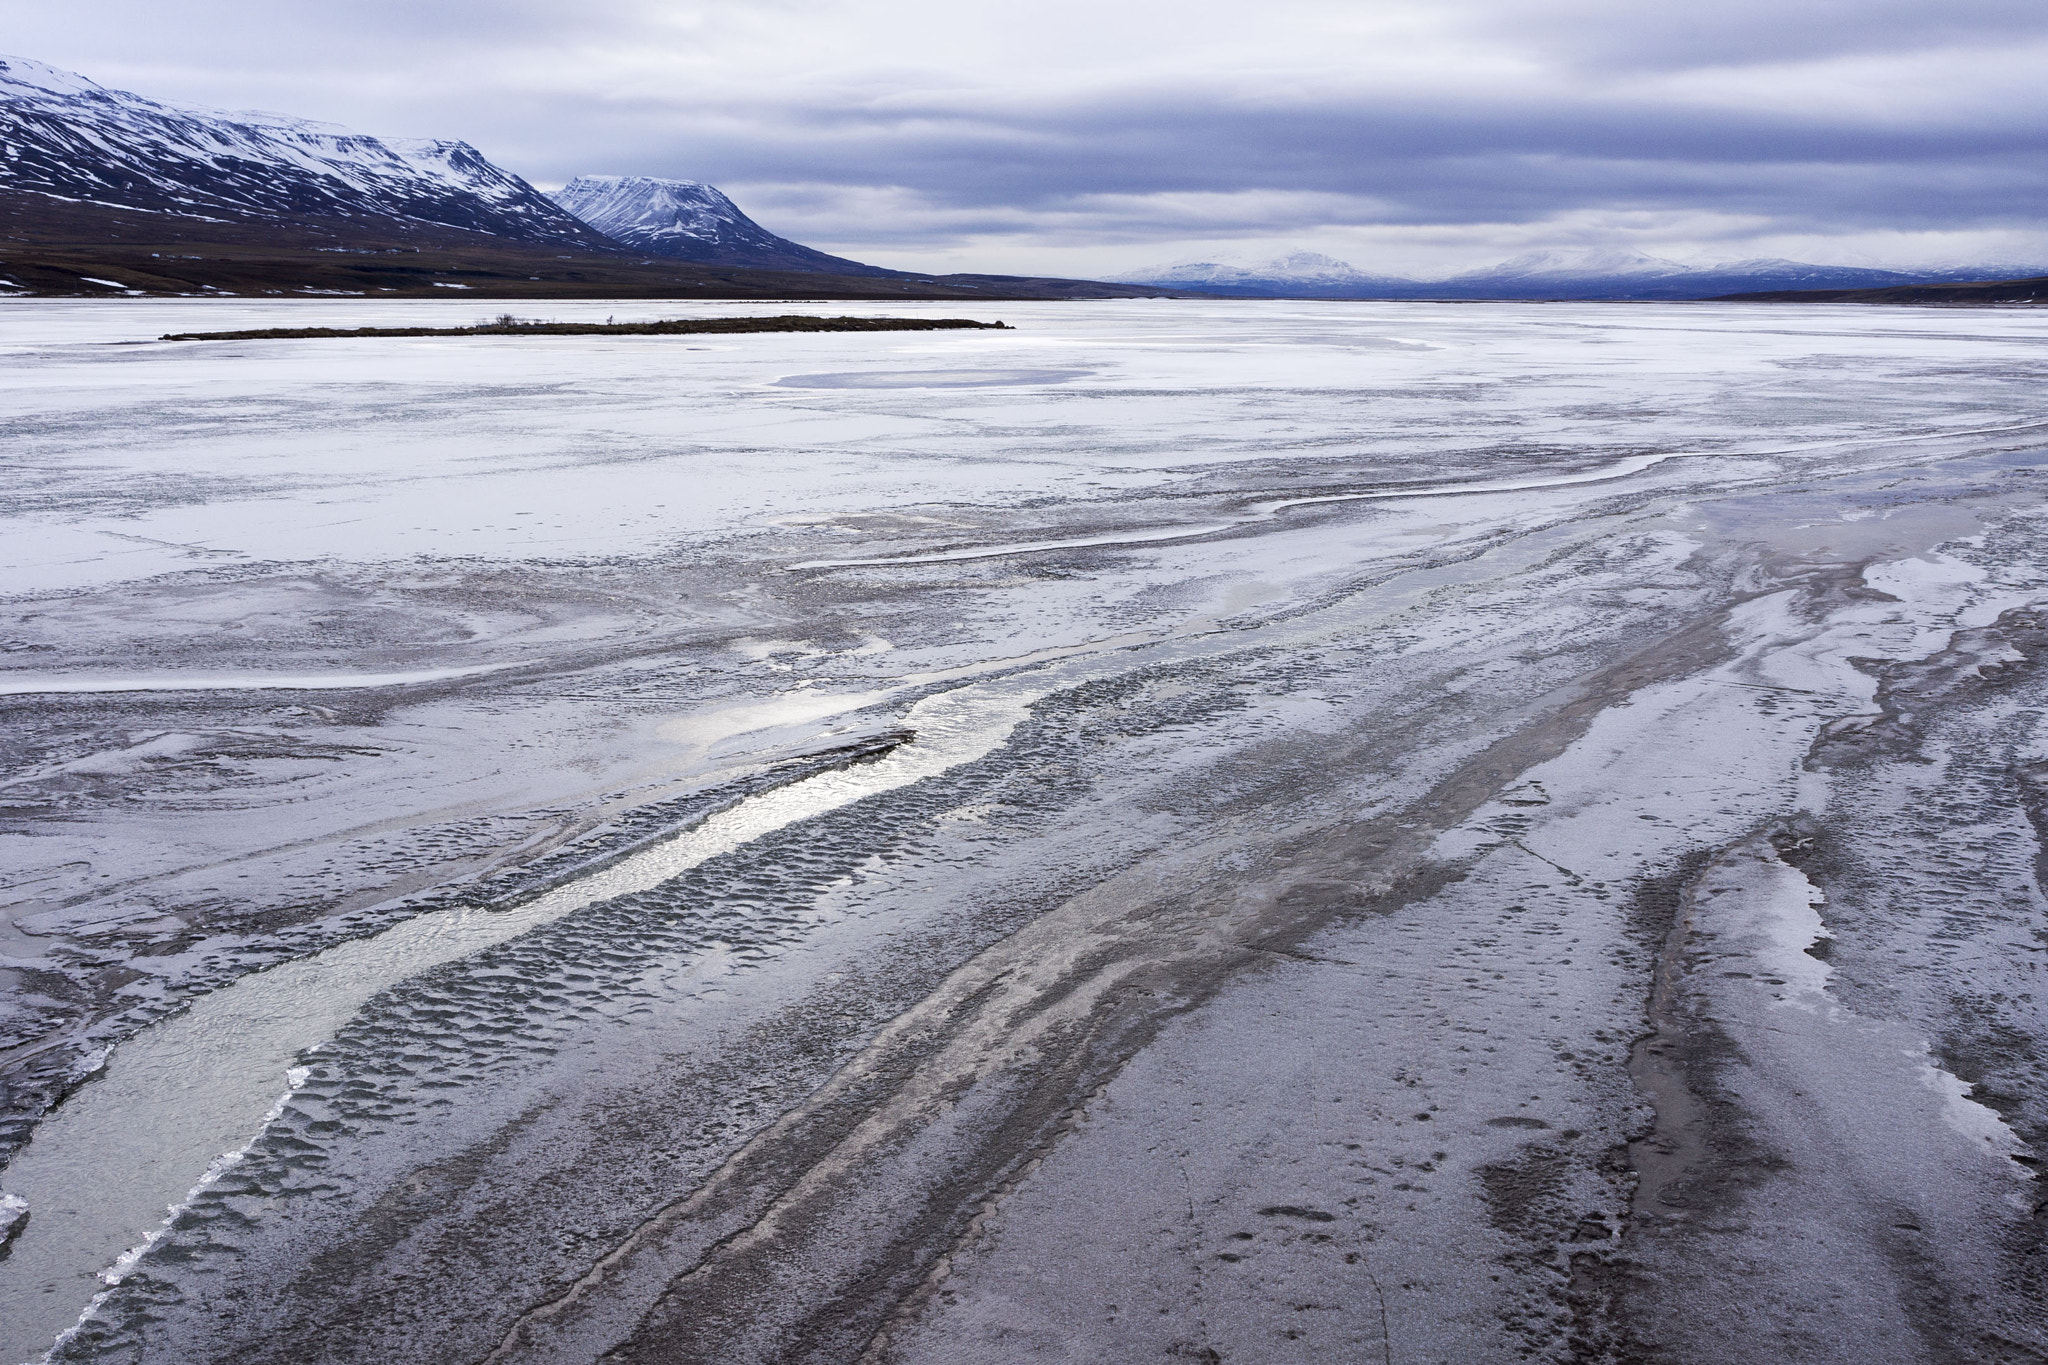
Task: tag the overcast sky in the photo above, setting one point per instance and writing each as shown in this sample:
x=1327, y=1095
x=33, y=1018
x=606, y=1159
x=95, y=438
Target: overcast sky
x=1087, y=137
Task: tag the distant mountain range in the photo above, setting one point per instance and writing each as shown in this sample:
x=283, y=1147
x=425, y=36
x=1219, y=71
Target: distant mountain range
x=1299, y=274
x=1591, y=274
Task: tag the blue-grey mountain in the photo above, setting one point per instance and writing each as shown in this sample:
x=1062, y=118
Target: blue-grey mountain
x=1596, y=274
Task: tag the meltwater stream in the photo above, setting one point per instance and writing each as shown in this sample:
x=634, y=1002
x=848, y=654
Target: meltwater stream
x=178, y=1102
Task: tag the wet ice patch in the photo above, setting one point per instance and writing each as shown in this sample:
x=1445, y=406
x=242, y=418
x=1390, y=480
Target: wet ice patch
x=1978, y=1122
x=124, y=1265
x=928, y=379
x=786, y=719
x=952, y=728
x=1753, y=910
x=1928, y=576
x=1767, y=910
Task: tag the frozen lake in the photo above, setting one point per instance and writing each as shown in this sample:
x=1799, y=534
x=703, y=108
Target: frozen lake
x=1242, y=830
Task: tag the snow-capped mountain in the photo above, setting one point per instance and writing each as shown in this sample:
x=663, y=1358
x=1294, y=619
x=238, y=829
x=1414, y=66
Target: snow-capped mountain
x=1603, y=263
x=1593, y=273
x=691, y=221
x=67, y=138
x=1296, y=272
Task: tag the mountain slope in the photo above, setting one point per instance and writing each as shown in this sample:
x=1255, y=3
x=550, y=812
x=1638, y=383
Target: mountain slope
x=691, y=221
x=64, y=137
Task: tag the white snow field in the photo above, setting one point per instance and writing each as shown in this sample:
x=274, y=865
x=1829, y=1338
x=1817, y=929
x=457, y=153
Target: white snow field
x=1231, y=831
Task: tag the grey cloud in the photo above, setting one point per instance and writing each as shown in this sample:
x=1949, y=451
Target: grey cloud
x=1626, y=35
x=1458, y=161
x=1598, y=123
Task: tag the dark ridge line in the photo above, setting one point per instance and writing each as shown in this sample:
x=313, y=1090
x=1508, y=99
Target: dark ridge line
x=1978, y=293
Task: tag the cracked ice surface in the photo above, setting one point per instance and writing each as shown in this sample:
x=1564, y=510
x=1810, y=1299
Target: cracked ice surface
x=1495, y=831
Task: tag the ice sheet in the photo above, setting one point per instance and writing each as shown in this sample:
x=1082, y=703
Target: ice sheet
x=1347, y=702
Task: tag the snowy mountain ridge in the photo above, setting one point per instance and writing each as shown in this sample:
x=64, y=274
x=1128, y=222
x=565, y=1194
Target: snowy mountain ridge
x=691, y=221
x=1598, y=262
x=68, y=137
